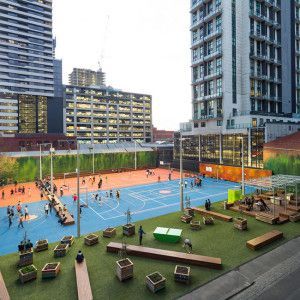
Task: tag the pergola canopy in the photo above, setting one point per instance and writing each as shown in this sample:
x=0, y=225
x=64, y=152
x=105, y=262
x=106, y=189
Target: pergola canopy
x=273, y=182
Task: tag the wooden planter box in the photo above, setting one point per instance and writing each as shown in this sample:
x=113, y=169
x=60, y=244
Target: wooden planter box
x=129, y=229
x=91, y=239
x=50, y=270
x=124, y=269
x=295, y=217
x=61, y=250
x=186, y=218
x=208, y=220
x=28, y=273
x=195, y=225
x=109, y=232
x=240, y=223
x=41, y=245
x=155, y=282
x=182, y=274
x=190, y=212
x=26, y=258
x=69, y=239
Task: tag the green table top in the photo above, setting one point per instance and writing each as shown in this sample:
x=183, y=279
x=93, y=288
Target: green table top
x=175, y=232
x=161, y=230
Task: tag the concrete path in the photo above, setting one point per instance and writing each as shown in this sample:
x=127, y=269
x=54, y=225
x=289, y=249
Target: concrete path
x=274, y=275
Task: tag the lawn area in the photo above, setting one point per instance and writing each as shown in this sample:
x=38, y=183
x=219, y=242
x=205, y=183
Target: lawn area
x=220, y=240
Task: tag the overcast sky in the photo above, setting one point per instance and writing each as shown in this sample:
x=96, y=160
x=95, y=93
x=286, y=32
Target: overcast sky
x=144, y=45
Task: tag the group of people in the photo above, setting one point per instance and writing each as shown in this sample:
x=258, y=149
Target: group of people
x=21, y=214
x=25, y=245
x=261, y=204
x=150, y=172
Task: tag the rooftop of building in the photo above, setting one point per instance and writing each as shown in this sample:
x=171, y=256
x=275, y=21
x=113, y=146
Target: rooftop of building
x=291, y=141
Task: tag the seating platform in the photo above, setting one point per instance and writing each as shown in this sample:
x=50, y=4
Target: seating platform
x=213, y=214
x=267, y=218
x=3, y=290
x=171, y=235
x=83, y=282
x=264, y=239
x=193, y=259
x=70, y=220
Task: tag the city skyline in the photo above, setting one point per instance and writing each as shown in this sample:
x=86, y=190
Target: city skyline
x=155, y=52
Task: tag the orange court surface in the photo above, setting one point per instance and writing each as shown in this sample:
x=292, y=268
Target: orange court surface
x=109, y=181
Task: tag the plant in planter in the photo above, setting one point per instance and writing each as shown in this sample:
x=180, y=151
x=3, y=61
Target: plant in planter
x=41, y=245
x=124, y=269
x=155, y=282
x=208, y=220
x=109, y=232
x=68, y=239
x=26, y=258
x=51, y=270
x=240, y=223
x=28, y=273
x=195, y=225
x=182, y=274
x=91, y=239
x=128, y=229
x=61, y=250
x=186, y=218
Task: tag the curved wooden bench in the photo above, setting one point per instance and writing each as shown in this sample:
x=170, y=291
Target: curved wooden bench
x=193, y=259
x=84, y=290
x=210, y=213
x=3, y=290
x=264, y=239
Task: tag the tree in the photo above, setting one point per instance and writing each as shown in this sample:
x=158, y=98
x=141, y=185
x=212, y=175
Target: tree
x=8, y=167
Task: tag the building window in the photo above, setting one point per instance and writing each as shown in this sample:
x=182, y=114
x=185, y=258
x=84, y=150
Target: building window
x=254, y=122
x=219, y=122
x=203, y=124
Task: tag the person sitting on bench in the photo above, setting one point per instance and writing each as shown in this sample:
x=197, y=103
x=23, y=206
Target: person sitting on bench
x=79, y=257
x=187, y=244
x=63, y=219
x=265, y=206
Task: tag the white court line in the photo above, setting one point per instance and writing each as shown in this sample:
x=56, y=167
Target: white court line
x=94, y=211
x=147, y=199
x=169, y=205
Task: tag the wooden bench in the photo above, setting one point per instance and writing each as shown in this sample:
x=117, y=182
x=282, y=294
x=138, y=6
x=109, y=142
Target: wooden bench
x=83, y=282
x=213, y=214
x=3, y=290
x=193, y=259
x=267, y=218
x=264, y=239
x=70, y=220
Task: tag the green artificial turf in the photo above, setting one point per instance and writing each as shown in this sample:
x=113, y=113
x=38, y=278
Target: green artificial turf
x=219, y=240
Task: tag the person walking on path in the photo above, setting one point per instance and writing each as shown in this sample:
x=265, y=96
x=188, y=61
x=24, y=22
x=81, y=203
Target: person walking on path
x=20, y=221
x=8, y=212
x=61, y=191
x=46, y=207
x=3, y=195
x=50, y=207
x=141, y=233
x=187, y=244
x=26, y=215
x=9, y=220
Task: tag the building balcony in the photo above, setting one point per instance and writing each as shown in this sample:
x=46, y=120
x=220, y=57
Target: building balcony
x=261, y=37
x=206, y=38
x=207, y=77
x=265, y=77
x=265, y=58
x=195, y=4
x=239, y=126
x=206, y=18
x=211, y=56
x=209, y=97
x=207, y=117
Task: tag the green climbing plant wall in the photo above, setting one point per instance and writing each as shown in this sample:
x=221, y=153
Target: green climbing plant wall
x=284, y=164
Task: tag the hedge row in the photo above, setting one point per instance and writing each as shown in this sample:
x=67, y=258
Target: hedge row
x=28, y=167
x=284, y=164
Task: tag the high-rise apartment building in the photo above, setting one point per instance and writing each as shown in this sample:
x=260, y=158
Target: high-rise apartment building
x=243, y=75
x=107, y=115
x=26, y=65
x=87, y=77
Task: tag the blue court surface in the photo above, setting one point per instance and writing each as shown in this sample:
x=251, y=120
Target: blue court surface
x=144, y=201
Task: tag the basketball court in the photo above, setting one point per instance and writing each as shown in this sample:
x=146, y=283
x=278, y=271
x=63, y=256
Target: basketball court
x=143, y=200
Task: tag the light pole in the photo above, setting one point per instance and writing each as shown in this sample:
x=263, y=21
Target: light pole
x=243, y=166
x=135, y=162
x=181, y=177
x=78, y=191
x=93, y=153
x=52, y=151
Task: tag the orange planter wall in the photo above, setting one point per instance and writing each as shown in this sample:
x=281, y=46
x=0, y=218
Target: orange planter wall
x=232, y=173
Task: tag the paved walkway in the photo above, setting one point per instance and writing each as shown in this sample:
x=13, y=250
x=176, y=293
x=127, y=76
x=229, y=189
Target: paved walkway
x=274, y=275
